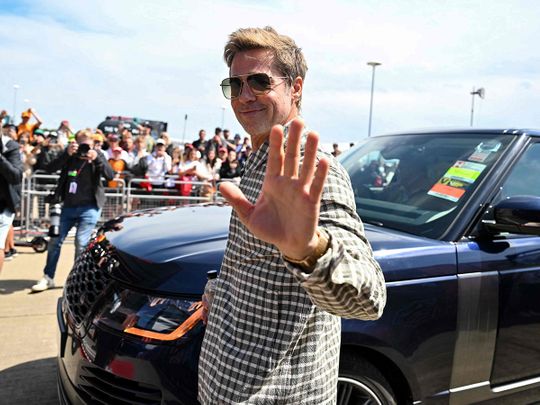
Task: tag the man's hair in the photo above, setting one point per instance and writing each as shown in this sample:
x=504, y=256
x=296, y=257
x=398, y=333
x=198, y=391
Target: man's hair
x=84, y=135
x=288, y=57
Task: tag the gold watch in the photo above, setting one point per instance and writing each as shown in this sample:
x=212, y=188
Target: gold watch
x=308, y=263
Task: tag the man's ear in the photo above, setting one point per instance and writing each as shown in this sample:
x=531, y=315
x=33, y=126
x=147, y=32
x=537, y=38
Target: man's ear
x=296, y=88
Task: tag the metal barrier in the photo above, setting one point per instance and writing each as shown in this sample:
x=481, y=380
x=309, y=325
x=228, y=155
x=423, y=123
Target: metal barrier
x=34, y=213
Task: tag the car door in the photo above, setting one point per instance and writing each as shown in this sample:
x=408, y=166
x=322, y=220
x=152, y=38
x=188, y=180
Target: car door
x=499, y=306
x=517, y=354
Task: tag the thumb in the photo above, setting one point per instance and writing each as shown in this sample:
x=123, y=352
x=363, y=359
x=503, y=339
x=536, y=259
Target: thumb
x=237, y=199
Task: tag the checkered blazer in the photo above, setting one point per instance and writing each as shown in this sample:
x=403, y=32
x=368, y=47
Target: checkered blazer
x=273, y=333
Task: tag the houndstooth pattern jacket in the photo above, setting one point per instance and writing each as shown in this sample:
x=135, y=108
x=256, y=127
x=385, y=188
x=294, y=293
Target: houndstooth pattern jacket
x=273, y=333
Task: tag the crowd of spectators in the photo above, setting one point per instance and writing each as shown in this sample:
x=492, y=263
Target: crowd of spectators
x=160, y=162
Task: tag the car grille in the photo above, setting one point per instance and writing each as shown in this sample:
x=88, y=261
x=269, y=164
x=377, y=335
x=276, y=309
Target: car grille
x=84, y=285
x=101, y=387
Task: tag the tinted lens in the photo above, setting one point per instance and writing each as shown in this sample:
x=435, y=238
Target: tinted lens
x=231, y=87
x=259, y=82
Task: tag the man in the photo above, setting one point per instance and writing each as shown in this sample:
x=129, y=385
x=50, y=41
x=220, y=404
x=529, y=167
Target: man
x=26, y=126
x=159, y=164
x=200, y=144
x=297, y=258
x=145, y=131
x=81, y=190
x=113, y=142
x=11, y=173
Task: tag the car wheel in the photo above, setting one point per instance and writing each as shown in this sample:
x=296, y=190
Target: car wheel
x=360, y=382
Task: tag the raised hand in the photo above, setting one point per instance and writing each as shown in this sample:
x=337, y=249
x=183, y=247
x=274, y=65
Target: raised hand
x=287, y=211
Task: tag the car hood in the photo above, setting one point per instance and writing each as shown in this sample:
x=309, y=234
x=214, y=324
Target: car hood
x=171, y=249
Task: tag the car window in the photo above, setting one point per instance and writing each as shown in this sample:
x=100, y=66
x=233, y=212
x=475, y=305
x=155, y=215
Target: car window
x=418, y=183
x=523, y=178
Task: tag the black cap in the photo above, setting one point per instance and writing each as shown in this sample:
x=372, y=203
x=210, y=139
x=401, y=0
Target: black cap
x=8, y=125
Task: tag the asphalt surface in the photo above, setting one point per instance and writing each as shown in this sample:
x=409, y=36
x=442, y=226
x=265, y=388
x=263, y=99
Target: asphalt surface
x=28, y=328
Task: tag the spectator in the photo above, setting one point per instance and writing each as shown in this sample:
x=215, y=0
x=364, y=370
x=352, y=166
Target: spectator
x=159, y=164
x=223, y=153
x=4, y=118
x=244, y=155
x=125, y=134
x=201, y=143
x=65, y=133
x=176, y=160
x=216, y=142
x=113, y=141
x=118, y=165
x=226, y=141
x=168, y=144
x=193, y=170
x=47, y=149
x=231, y=169
x=335, y=152
x=145, y=131
x=213, y=164
x=28, y=153
x=25, y=123
x=81, y=190
x=139, y=150
x=11, y=172
x=98, y=143
x=10, y=131
x=237, y=144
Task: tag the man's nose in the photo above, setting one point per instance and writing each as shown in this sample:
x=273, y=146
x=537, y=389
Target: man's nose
x=246, y=94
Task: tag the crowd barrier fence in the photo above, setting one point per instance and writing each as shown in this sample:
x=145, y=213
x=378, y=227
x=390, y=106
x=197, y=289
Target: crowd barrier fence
x=135, y=194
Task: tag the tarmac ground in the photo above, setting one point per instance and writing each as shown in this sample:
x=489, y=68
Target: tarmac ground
x=28, y=328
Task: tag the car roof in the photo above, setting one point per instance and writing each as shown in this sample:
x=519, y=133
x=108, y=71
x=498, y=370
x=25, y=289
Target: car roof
x=461, y=130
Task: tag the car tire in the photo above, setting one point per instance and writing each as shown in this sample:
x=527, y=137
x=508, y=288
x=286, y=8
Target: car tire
x=360, y=382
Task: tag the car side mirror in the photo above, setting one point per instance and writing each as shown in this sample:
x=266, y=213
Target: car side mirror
x=518, y=214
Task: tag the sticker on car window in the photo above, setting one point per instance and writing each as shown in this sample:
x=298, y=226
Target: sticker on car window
x=483, y=151
x=453, y=184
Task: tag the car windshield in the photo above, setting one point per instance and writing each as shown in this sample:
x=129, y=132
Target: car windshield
x=418, y=183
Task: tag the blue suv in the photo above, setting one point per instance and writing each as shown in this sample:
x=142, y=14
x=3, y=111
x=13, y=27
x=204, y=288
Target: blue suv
x=453, y=218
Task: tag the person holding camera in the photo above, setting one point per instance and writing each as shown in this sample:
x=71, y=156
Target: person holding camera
x=82, y=193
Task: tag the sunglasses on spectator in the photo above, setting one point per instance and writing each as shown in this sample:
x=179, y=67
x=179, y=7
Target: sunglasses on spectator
x=259, y=83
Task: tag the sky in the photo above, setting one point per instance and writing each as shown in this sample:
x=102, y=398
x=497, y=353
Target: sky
x=162, y=60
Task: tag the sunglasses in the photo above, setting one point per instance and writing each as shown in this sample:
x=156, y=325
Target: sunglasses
x=259, y=83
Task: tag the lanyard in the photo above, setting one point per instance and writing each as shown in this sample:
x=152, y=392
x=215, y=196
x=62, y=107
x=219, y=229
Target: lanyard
x=73, y=173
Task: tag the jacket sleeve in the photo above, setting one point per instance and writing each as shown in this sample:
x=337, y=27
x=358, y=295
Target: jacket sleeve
x=103, y=167
x=11, y=167
x=58, y=163
x=347, y=281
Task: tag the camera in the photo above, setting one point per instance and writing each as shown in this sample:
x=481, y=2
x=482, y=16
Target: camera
x=83, y=150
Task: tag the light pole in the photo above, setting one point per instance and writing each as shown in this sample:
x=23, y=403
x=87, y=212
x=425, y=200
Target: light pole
x=481, y=92
x=222, y=117
x=15, y=88
x=373, y=65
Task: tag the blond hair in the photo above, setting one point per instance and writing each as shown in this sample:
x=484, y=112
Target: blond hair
x=288, y=57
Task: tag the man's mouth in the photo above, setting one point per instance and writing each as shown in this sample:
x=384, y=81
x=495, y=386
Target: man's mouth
x=252, y=110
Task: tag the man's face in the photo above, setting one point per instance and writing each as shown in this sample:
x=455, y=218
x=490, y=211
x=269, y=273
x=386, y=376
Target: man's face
x=202, y=135
x=258, y=114
x=160, y=150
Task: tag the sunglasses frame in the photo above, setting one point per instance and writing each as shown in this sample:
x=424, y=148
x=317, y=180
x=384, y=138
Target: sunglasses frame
x=256, y=92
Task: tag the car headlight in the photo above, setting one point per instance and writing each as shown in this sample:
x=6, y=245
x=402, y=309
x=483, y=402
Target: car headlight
x=147, y=316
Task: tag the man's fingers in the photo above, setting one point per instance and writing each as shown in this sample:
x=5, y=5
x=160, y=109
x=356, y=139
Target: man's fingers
x=310, y=158
x=292, y=154
x=274, y=166
x=237, y=199
x=317, y=185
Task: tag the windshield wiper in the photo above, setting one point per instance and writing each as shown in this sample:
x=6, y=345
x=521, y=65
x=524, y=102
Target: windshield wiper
x=372, y=222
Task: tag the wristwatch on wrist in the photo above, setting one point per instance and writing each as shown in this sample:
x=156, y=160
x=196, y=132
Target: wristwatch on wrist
x=307, y=264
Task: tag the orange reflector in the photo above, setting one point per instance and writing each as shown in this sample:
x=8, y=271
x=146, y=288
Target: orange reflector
x=184, y=328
